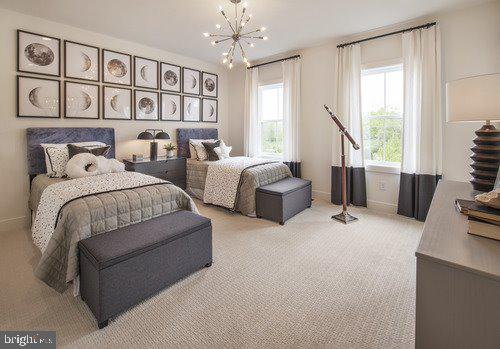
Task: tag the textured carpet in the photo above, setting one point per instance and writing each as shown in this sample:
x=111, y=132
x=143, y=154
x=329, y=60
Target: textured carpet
x=310, y=283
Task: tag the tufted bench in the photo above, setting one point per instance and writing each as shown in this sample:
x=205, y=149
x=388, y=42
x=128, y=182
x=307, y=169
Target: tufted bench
x=282, y=200
x=120, y=268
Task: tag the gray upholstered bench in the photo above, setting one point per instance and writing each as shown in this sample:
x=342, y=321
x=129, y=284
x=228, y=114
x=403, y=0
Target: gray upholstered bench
x=282, y=200
x=120, y=268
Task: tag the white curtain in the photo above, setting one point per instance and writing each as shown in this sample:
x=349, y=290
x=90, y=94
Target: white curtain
x=348, y=110
x=251, y=122
x=291, y=110
x=422, y=132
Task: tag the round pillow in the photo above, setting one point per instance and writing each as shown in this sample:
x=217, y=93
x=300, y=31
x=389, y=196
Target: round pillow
x=82, y=165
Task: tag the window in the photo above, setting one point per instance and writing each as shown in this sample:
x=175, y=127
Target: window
x=382, y=112
x=271, y=120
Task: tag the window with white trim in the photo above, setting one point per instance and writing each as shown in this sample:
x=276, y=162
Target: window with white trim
x=382, y=113
x=271, y=120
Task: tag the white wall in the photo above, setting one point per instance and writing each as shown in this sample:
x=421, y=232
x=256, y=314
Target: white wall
x=13, y=174
x=470, y=46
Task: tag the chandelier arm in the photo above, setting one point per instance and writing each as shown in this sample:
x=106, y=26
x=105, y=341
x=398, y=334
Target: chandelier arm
x=222, y=40
x=240, y=27
x=220, y=36
x=253, y=37
x=228, y=21
x=251, y=32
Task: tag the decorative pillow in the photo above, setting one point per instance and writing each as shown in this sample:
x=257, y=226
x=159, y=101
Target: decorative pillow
x=201, y=153
x=97, y=151
x=82, y=165
x=223, y=150
x=192, y=152
x=209, y=147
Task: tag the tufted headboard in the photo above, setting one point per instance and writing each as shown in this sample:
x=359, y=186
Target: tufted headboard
x=39, y=135
x=185, y=134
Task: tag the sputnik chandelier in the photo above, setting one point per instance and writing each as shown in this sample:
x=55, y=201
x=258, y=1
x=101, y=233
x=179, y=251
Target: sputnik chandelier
x=237, y=34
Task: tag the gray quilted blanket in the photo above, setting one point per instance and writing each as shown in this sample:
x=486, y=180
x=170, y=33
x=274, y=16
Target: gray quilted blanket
x=98, y=213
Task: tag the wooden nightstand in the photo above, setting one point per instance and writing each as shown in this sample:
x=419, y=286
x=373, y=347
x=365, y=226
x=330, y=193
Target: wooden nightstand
x=170, y=169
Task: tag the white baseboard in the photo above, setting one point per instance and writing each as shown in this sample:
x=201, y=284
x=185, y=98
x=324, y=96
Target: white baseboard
x=382, y=206
x=321, y=195
x=16, y=223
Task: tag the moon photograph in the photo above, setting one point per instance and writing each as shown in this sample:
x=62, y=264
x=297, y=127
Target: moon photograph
x=81, y=61
x=191, y=81
x=34, y=97
x=39, y=54
x=170, y=107
x=117, y=103
x=209, y=110
x=170, y=78
x=38, y=97
x=81, y=100
x=209, y=85
x=146, y=105
x=117, y=68
x=86, y=62
x=191, y=110
x=144, y=73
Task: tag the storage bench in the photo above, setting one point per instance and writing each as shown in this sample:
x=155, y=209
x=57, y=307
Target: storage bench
x=282, y=200
x=120, y=268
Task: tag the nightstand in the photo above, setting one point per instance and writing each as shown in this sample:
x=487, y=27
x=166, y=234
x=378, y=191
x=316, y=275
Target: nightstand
x=170, y=169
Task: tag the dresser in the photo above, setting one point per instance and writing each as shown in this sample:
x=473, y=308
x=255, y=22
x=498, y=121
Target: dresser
x=170, y=169
x=458, y=278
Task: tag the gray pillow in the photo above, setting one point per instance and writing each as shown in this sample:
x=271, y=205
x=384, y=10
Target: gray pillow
x=97, y=151
x=209, y=147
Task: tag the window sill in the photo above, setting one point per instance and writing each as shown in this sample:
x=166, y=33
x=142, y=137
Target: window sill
x=383, y=168
x=271, y=157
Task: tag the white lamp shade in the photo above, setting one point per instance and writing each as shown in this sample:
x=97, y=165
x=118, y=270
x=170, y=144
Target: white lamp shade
x=473, y=99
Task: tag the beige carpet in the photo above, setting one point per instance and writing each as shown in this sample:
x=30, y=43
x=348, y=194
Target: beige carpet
x=310, y=283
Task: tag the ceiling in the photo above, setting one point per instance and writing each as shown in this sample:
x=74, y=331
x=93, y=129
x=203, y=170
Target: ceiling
x=177, y=25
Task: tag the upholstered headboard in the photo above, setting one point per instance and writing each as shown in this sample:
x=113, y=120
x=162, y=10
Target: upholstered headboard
x=185, y=134
x=39, y=135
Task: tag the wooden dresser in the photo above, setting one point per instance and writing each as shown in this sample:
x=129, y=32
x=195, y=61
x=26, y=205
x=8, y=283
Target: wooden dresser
x=458, y=278
x=170, y=169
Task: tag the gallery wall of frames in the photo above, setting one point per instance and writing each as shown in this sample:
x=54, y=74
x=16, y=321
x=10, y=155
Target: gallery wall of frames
x=133, y=87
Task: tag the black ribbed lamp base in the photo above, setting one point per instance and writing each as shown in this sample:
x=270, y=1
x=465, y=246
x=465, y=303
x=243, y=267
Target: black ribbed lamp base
x=486, y=158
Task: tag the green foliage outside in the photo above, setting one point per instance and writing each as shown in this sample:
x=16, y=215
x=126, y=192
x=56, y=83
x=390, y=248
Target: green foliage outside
x=379, y=131
x=272, y=137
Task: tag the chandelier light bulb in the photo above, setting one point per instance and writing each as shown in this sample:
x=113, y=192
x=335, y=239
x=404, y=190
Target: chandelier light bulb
x=245, y=4
x=220, y=8
x=213, y=43
x=263, y=29
x=218, y=26
x=224, y=61
x=230, y=65
x=245, y=60
x=250, y=15
x=252, y=44
x=265, y=38
x=224, y=53
x=248, y=64
x=206, y=35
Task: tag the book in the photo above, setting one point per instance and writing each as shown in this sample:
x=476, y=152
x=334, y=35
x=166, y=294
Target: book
x=462, y=205
x=480, y=211
x=482, y=228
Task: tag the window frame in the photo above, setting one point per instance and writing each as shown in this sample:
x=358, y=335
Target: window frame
x=261, y=121
x=382, y=166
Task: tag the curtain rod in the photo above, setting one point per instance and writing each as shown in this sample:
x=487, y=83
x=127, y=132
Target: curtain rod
x=276, y=61
x=427, y=25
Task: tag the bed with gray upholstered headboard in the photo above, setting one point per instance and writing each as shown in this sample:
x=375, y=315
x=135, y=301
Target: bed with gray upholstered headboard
x=185, y=134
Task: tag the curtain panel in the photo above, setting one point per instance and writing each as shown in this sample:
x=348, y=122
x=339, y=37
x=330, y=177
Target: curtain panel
x=421, y=166
x=348, y=110
x=251, y=116
x=291, y=115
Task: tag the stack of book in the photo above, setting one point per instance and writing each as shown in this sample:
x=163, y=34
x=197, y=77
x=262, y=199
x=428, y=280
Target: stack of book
x=483, y=220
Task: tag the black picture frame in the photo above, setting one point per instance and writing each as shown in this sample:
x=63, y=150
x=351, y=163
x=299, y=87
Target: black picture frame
x=66, y=61
x=161, y=106
x=38, y=116
x=66, y=96
x=184, y=81
x=203, y=83
x=216, y=110
x=199, y=109
x=157, y=73
x=180, y=78
x=157, y=106
x=103, y=51
x=104, y=87
x=18, y=33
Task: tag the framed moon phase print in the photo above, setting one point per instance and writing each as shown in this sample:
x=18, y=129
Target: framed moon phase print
x=170, y=107
x=81, y=101
x=38, y=54
x=170, y=76
x=116, y=68
x=146, y=72
x=146, y=105
x=191, y=109
x=210, y=84
x=191, y=81
x=117, y=103
x=38, y=97
x=210, y=110
x=81, y=61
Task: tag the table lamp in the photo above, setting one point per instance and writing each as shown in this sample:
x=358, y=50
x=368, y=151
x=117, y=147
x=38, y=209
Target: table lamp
x=148, y=136
x=478, y=99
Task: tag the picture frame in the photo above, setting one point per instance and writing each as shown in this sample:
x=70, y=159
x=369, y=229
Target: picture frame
x=210, y=110
x=210, y=85
x=117, y=103
x=38, y=97
x=81, y=61
x=191, y=81
x=146, y=105
x=81, y=100
x=170, y=77
x=146, y=72
x=38, y=54
x=191, y=108
x=116, y=67
x=170, y=107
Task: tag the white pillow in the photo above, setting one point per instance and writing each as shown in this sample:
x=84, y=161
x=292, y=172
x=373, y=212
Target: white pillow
x=223, y=150
x=57, y=156
x=201, y=153
x=82, y=165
